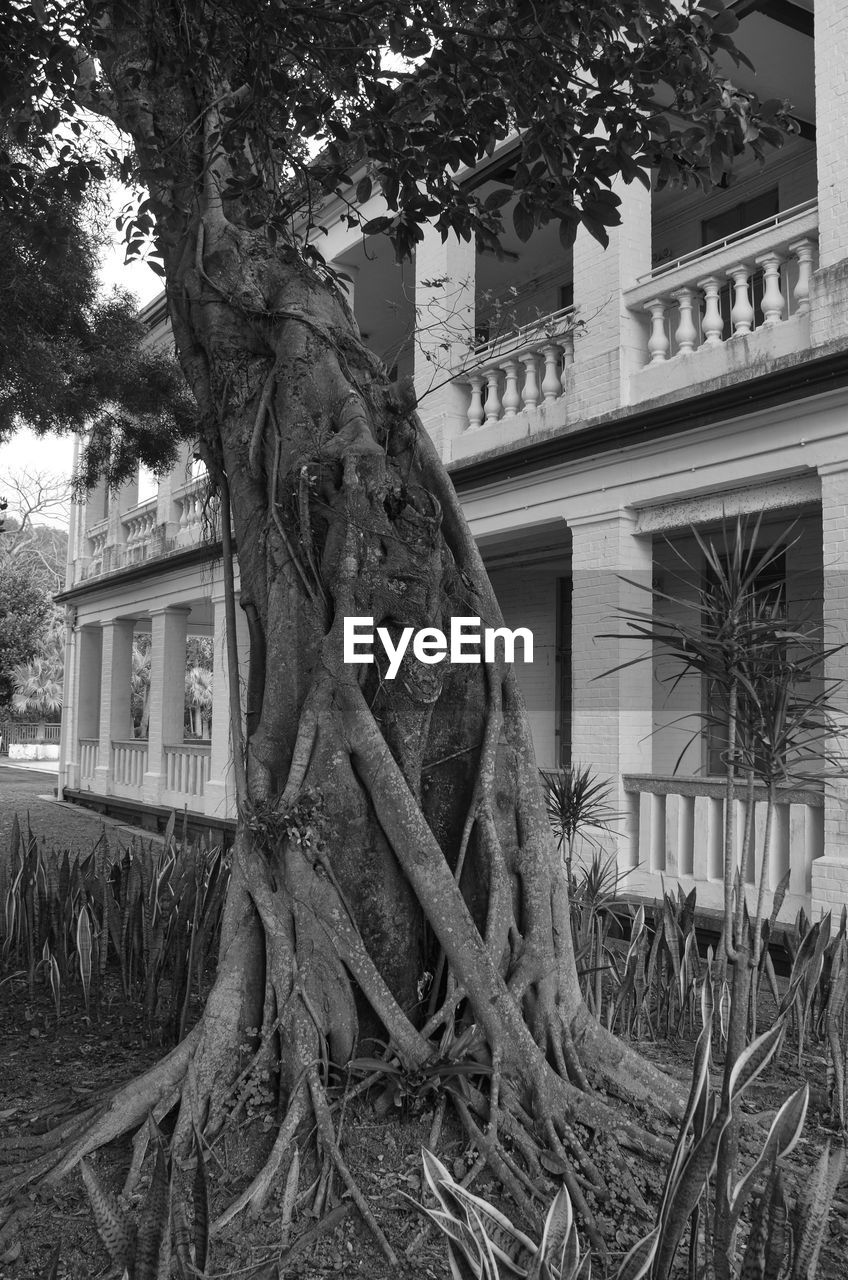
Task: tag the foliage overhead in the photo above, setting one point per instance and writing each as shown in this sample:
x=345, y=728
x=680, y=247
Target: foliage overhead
x=72, y=360
x=24, y=609
x=406, y=97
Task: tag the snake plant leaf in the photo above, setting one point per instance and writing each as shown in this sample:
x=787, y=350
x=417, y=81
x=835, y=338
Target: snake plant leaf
x=113, y=1227
x=637, y=1263
x=783, y=1135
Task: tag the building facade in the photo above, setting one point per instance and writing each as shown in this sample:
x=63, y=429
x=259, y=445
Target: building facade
x=593, y=407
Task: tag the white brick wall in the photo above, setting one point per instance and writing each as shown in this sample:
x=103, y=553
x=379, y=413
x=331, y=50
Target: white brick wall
x=445, y=320
x=612, y=343
x=834, y=868
x=831, y=54
x=612, y=715
x=528, y=598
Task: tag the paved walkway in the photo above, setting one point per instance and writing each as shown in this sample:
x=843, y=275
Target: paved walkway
x=27, y=790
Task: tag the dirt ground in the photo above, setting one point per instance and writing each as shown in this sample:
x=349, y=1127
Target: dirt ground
x=49, y=1070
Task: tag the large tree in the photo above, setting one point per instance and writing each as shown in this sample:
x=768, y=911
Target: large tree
x=386, y=829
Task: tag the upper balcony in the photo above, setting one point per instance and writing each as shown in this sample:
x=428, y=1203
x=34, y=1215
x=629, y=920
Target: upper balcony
x=147, y=520
x=738, y=303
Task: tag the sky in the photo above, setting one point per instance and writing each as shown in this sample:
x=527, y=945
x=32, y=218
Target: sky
x=54, y=454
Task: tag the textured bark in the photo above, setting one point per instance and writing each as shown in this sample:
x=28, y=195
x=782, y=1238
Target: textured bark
x=387, y=831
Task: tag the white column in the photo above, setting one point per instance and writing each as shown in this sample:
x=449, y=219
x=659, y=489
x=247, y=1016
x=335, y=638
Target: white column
x=830, y=872
x=68, y=743
x=115, y=717
x=445, y=276
x=613, y=344
x=167, y=694
x=612, y=716
x=84, y=700
x=220, y=793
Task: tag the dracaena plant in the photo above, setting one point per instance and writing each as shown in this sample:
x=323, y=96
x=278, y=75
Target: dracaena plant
x=778, y=719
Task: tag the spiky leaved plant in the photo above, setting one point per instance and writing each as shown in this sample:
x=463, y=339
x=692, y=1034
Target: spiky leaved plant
x=483, y=1244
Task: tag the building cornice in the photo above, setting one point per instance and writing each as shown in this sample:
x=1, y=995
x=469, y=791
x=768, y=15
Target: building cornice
x=623, y=429
x=159, y=565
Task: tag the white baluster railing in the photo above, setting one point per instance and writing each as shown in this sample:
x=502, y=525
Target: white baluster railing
x=138, y=525
x=521, y=369
x=88, y=758
x=97, y=535
x=190, y=500
x=683, y=300
x=128, y=764
x=676, y=831
x=187, y=769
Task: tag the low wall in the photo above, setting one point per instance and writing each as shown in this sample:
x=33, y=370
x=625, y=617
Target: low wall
x=33, y=751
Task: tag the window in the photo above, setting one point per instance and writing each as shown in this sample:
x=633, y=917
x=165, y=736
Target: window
x=745, y=214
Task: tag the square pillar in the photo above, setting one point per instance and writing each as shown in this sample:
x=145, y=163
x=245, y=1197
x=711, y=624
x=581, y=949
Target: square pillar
x=829, y=285
x=831, y=57
x=614, y=342
x=830, y=872
x=83, y=665
x=219, y=793
x=115, y=716
x=445, y=276
x=611, y=713
x=167, y=694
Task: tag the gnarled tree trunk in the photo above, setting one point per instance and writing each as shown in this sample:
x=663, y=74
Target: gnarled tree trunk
x=389, y=832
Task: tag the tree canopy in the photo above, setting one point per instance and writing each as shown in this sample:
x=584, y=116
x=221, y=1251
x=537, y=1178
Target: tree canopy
x=415, y=91
x=72, y=357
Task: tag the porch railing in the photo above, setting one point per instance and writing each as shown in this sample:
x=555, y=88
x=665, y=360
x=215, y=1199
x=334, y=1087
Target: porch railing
x=128, y=765
x=187, y=767
x=88, y=758
x=13, y=732
x=675, y=831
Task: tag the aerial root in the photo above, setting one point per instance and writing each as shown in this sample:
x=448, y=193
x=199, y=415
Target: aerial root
x=142, y=1140
x=490, y=1149
x=256, y=1193
x=327, y=1137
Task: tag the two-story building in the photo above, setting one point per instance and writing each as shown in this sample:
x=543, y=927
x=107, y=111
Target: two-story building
x=592, y=406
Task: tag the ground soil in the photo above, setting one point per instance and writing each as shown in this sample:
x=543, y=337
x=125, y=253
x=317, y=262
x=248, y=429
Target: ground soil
x=49, y=1070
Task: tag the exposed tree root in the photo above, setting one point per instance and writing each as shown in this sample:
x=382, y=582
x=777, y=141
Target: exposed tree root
x=386, y=828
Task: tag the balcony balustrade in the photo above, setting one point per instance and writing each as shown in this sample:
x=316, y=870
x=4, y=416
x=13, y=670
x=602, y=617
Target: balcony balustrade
x=97, y=535
x=521, y=370
x=755, y=280
x=88, y=759
x=138, y=526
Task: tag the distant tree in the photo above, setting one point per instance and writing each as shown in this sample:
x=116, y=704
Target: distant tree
x=24, y=611
x=140, y=684
x=71, y=359
x=35, y=533
x=37, y=687
x=199, y=699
